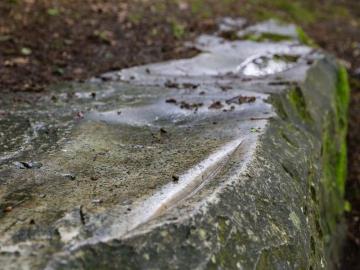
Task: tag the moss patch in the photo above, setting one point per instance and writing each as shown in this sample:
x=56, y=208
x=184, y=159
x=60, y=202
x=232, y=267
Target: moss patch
x=260, y=37
x=342, y=107
x=334, y=145
x=297, y=100
x=342, y=98
x=304, y=38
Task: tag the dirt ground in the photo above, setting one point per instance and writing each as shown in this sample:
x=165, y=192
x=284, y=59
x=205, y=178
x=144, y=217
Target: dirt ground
x=43, y=42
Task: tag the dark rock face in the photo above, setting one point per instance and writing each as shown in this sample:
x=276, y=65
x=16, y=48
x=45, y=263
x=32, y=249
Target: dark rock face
x=234, y=159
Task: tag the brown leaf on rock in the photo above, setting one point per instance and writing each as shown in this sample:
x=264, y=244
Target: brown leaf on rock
x=241, y=99
x=216, y=105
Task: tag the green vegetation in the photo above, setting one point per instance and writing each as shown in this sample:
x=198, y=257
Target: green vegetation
x=53, y=11
x=297, y=100
x=284, y=10
x=304, y=38
x=259, y=37
x=342, y=106
x=334, y=149
x=178, y=29
x=201, y=8
x=334, y=146
x=347, y=206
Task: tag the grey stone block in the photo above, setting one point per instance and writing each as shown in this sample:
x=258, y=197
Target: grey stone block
x=233, y=159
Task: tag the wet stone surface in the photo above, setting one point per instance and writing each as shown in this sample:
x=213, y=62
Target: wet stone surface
x=211, y=162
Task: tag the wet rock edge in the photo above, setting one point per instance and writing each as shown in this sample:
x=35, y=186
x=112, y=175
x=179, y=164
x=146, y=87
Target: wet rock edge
x=286, y=212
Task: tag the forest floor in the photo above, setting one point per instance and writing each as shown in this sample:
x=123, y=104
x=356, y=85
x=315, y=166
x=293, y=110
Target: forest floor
x=44, y=42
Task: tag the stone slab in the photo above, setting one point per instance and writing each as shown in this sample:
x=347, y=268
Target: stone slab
x=229, y=160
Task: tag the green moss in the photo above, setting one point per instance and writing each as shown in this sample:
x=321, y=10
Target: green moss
x=201, y=8
x=304, y=38
x=334, y=163
x=342, y=105
x=297, y=100
x=279, y=107
x=197, y=6
x=260, y=37
x=294, y=11
x=334, y=145
x=347, y=206
x=330, y=196
x=178, y=29
x=341, y=167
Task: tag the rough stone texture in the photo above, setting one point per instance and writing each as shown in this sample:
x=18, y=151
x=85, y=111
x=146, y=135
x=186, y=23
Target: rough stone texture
x=234, y=159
